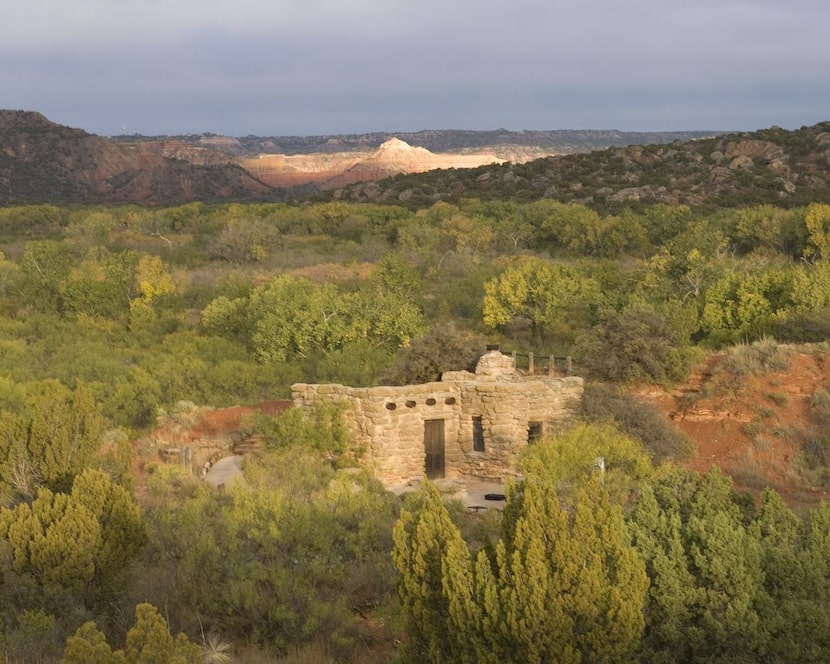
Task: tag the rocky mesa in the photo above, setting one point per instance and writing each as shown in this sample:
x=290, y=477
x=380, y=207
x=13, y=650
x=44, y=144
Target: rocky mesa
x=330, y=170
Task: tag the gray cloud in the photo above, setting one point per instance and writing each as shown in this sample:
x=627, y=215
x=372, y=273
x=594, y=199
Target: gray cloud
x=330, y=66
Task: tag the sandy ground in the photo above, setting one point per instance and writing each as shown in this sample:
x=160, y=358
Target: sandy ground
x=225, y=471
x=470, y=492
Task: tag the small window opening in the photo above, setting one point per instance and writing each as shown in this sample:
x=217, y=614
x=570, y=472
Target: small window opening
x=410, y=404
x=478, y=435
x=391, y=406
x=430, y=402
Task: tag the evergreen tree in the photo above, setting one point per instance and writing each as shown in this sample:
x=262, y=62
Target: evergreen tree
x=572, y=588
x=74, y=545
x=796, y=613
x=562, y=584
x=88, y=645
x=421, y=543
x=706, y=570
x=55, y=440
x=149, y=641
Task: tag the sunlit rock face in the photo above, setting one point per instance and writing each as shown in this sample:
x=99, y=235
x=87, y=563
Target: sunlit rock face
x=330, y=170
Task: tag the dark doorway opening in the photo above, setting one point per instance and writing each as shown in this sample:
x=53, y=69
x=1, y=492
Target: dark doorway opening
x=434, y=448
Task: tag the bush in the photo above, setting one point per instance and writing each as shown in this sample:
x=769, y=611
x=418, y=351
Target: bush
x=443, y=348
x=637, y=344
x=820, y=406
x=320, y=429
x=758, y=358
x=807, y=327
x=816, y=451
x=641, y=421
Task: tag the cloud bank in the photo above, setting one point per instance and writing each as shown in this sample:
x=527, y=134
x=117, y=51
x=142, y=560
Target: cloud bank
x=326, y=66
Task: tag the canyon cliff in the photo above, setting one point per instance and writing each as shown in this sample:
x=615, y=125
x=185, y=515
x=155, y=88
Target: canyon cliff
x=330, y=170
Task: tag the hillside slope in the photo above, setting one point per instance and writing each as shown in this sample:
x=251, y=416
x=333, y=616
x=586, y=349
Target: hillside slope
x=335, y=169
x=43, y=162
x=758, y=414
x=770, y=166
x=505, y=144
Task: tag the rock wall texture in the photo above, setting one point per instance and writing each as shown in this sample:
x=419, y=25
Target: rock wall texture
x=483, y=418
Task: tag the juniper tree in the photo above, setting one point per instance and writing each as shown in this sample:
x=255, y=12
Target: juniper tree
x=706, y=569
x=562, y=584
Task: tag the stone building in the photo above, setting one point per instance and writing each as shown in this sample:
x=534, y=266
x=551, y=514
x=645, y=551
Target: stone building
x=467, y=425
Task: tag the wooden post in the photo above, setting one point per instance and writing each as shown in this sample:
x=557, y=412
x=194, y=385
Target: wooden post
x=551, y=368
x=530, y=363
x=568, y=365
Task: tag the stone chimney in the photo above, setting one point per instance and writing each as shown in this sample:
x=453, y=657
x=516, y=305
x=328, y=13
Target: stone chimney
x=494, y=363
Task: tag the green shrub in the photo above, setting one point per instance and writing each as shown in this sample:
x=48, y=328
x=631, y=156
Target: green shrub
x=753, y=428
x=815, y=456
x=778, y=398
x=642, y=421
x=820, y=406
x=444, y=348
x=806, y=327
x=788, y=433
x=637, y=344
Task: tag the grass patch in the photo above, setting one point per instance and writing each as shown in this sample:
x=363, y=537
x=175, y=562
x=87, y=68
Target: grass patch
x=756, y=359
x=761, y=443
x=816, y=451
x=749, y=473
x=820, y=406
x=753, y=428
x=789, y=434
x=810, y=472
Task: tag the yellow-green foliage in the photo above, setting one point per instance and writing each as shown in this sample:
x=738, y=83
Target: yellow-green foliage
x=149, y=641
x=77, y=541
x=320, y=428
x=89, y=644
x=297, y=549
x=818, y=227
x=543, y=293
x=588, y=451
x=561, y=585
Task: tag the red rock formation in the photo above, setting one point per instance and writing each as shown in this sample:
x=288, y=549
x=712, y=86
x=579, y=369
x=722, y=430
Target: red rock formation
x=332, y=170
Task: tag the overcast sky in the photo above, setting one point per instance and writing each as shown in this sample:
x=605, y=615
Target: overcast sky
x=278, y=67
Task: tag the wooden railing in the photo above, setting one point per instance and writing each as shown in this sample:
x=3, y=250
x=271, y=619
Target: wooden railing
x=542, y=364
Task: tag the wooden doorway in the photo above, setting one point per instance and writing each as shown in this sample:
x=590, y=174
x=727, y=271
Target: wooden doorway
x=434, y=448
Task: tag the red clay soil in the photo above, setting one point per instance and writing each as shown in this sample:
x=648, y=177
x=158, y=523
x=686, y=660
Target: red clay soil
x=752, y=428
x=228, y=420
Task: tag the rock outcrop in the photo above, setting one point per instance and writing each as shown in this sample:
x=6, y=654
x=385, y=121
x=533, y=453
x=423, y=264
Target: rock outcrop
x=330, y=170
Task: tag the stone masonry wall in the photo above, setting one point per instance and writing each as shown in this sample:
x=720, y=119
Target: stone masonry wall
x=387, y=423
x=506, y=409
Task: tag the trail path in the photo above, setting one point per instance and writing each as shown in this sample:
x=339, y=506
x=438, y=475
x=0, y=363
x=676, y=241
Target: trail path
x=225, y=471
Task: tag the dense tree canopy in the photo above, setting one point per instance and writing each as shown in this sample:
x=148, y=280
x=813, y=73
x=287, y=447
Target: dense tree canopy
x=110, y=317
